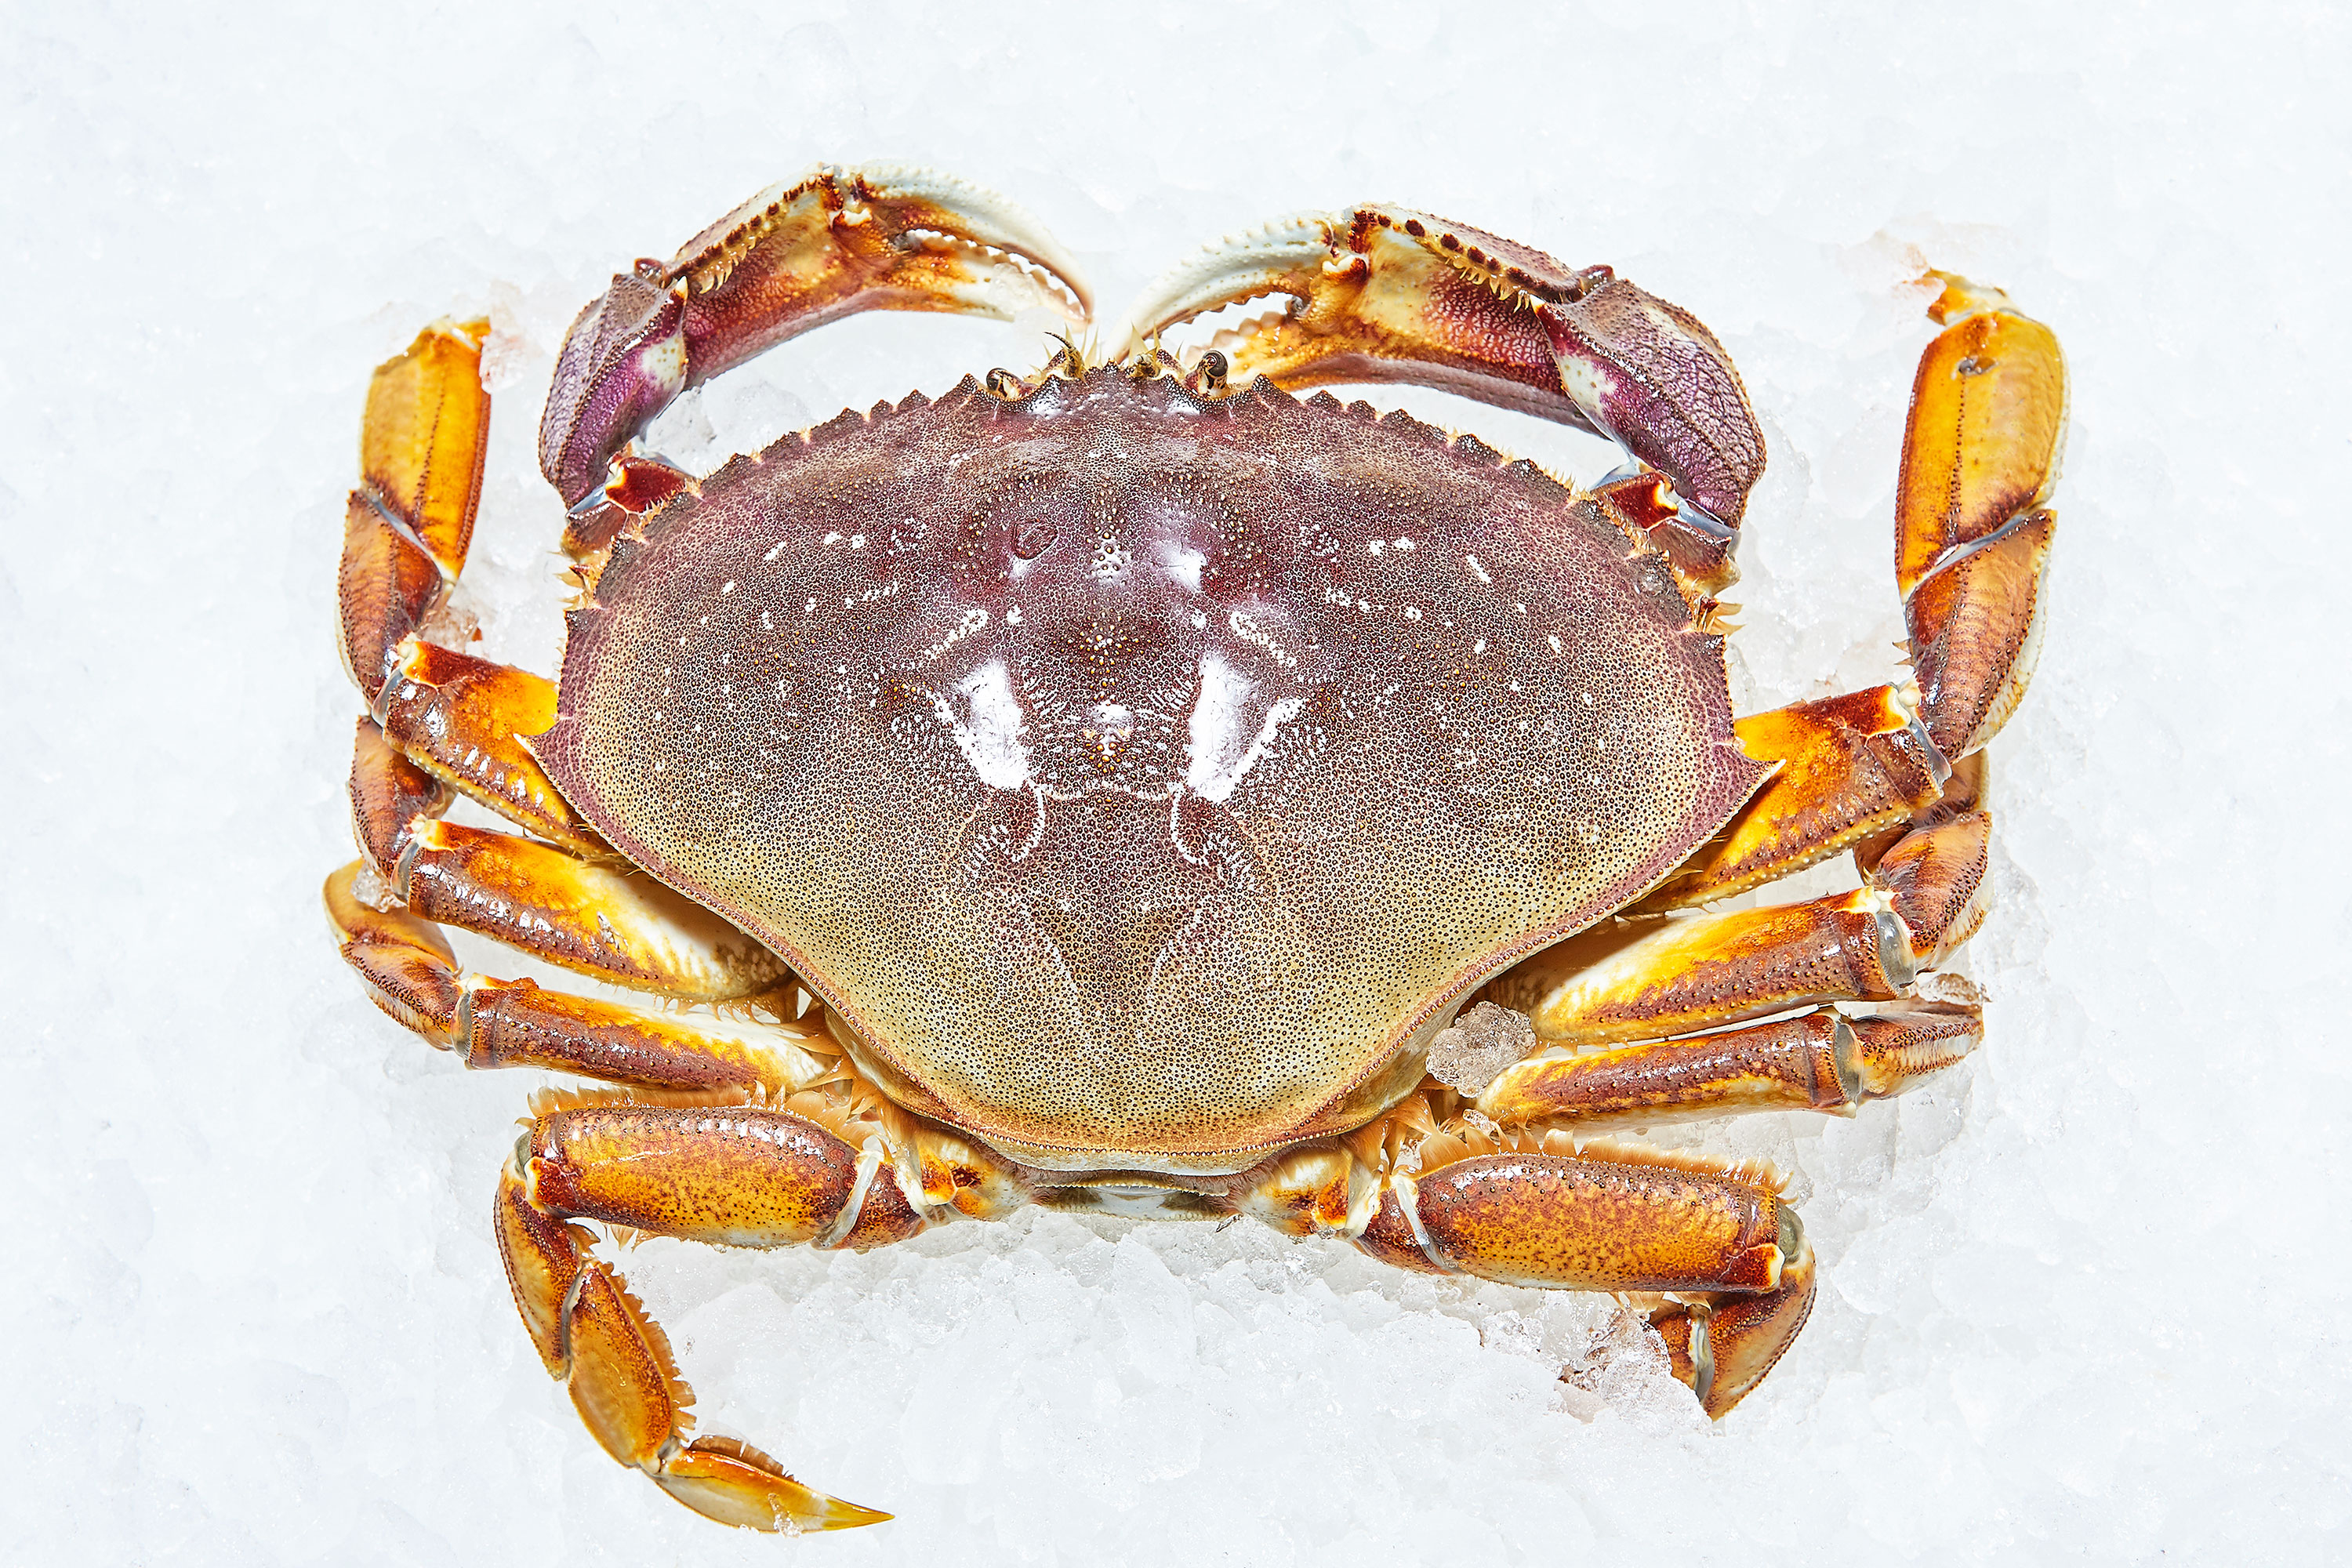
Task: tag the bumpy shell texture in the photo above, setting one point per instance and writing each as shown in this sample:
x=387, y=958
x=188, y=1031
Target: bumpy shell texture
x=1142, y=779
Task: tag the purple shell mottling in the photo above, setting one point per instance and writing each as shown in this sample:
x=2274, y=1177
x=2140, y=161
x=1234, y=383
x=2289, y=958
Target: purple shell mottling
x=1142, y=779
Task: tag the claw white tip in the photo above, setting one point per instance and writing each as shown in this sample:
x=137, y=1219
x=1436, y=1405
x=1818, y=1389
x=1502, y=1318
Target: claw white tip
x=986, y=219
x=1268, y=260
x=959, y=213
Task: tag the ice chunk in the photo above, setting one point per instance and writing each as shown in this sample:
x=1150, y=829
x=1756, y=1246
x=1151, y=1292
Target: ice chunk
x=1472, y=1052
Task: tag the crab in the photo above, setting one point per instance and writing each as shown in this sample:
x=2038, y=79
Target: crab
x=1131, y=787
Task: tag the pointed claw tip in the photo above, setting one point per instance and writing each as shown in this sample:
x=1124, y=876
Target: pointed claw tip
x=1283, y=255
x=980, y=216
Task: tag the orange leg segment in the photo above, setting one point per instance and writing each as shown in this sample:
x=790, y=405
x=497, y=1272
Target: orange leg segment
x=1980, y=455
x=1642, y=979
x=1728, y=1254
x=1722, y=1345
x=464, y=720
x=389, y=794
x=1976, y=630
x=741, y=1175
x=1850, y=767
x=408, y=965
x=407, y=527
x=620, y=927
x=424, y=438
x=596, y=1340
x=1601, y=1225
x=1822, y=1060
x=387, y=587
x=1987, y=419
x=412, y=976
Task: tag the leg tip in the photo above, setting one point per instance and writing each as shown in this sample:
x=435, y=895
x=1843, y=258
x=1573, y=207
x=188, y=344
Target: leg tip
x=736, y=1484
x=1722, y=1348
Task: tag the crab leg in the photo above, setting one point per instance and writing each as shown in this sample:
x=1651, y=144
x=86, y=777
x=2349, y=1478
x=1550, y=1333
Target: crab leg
x=615, y=925
x=794, y=256
x=464, y=720
x=407, y=527
x=405, y=534
x=620, y=927
x=443, y=718
x=1385, y=293
x=412, y=973
x=1849, y=768
x=595, y=1339
x=1644, y=978
x=1981, y=455
x=1548, y=1213
x=1972, y=542
x=736, y=1177
x=442, y=723
x=1822, y=1061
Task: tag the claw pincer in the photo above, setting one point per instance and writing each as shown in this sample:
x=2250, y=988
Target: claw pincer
x=1387, y=293
x=793, y=257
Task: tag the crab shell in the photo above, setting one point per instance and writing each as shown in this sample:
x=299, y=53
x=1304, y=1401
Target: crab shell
x=1142, y=779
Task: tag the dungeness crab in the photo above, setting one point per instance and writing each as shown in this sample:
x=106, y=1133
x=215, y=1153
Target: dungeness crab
x=1131, y=787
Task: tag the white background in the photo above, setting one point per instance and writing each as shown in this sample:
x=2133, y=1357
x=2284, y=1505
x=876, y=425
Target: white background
x=2085, y=1298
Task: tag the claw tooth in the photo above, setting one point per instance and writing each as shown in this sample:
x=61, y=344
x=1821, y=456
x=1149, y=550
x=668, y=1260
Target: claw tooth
x=911, y=204
x=989, y=219
x=1267, y=260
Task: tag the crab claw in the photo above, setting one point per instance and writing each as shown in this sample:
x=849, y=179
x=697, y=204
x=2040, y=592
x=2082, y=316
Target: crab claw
x=1383, y=293
x=796, y=255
